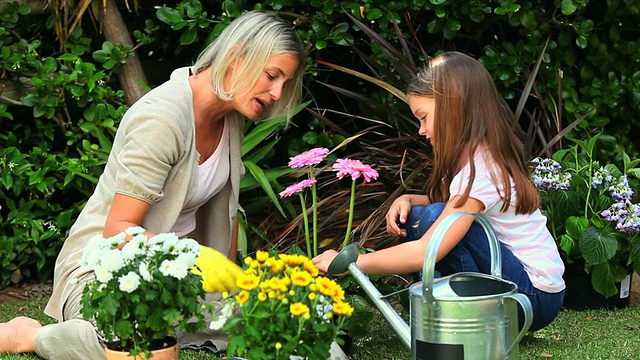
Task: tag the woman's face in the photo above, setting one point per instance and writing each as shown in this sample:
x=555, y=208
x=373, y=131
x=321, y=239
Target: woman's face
x=278, y=71
x=424, y=109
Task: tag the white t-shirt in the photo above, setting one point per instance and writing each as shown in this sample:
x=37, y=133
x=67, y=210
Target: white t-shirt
x=525, y=235
x=213, y=175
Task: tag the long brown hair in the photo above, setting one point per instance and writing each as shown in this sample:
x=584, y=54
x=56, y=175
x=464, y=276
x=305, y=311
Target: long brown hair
x=471, y=113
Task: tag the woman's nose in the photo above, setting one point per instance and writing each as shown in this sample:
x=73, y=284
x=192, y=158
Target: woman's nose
x=276, y=92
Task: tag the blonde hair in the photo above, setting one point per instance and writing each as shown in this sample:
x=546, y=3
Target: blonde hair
x=252, y=38
x=470, y=113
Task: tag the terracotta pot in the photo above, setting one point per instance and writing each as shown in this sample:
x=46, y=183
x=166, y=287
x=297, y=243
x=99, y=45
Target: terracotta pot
x=167, y=353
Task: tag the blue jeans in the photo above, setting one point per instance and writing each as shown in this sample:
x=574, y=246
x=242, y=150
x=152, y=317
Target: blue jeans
x=472, y=254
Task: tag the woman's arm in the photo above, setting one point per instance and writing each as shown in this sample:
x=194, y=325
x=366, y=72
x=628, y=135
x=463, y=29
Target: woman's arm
x=125, y=212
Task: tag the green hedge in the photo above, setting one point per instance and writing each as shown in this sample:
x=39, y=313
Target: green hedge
x=54, y=140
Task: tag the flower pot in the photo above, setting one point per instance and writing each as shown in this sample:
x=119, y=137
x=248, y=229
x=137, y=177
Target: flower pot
x=580, y=295
x=168, y=352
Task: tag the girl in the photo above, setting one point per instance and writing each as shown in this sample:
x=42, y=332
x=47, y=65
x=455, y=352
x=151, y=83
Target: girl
x=174, y=167
x=479, y=167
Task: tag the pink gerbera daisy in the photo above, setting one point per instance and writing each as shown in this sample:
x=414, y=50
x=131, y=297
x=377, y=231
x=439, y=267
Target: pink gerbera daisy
x=309, y=157
x=354, y=168
x=297, y=187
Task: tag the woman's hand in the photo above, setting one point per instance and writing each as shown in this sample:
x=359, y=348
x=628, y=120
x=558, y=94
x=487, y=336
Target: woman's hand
x=323, y=261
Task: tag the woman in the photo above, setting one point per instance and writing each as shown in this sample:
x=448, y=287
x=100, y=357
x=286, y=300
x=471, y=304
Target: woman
x=174, y=167
x=479, y=167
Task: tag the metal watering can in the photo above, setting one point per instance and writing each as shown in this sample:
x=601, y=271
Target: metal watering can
x=466, y=315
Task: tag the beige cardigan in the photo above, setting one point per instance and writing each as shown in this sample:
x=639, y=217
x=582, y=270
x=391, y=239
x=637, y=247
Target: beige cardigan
x=154, y=159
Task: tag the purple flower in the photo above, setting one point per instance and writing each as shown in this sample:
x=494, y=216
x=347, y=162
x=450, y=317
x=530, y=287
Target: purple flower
x=297, y=187
x=548, y=175
x=354, y=168
x=625, y=214
x=308, y=158
x=621, y=191
x=602, y=177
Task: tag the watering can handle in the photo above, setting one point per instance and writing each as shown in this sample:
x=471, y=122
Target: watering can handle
x=429, y=264
x=524, y=302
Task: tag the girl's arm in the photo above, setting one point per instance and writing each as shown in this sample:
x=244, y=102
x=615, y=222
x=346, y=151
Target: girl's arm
x=399, y=210
x=408, y=257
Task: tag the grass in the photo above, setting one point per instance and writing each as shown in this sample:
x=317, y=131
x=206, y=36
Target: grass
x=584, y=335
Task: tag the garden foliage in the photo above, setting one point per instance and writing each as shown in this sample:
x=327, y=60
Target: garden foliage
x=56, y=133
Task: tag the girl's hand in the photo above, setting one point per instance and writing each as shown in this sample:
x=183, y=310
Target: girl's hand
x=397, y=214
x=323, y=261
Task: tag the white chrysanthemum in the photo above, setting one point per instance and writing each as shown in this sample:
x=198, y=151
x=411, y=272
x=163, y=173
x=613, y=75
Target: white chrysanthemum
x=92, y=258
x=170, y=243
x=144, y=272
x=134, y=230
x=112, y=260
x=162, y=238
x=116, y=240
x=188, y=246
x=129, y=283
x=188, y=259
x=135, y=246
x=174, y=268
x=103, y=275
x=225, y=314
x=92, y=250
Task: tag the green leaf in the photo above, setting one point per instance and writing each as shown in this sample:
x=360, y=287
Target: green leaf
x=260, y=177
x=604, y=278
x=568, y=7
x=597, y=246
x=168, y=15
x=189, y=36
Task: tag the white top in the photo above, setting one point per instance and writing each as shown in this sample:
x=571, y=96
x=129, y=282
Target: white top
x=525, y=235
x=213, y=175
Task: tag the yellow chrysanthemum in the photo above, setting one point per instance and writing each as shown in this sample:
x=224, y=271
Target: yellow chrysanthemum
x=326, y=286
x=342, y=308
x=285, y=301
x=272, y=294
x=248, y=260
x=306, y=316
x=262, y=296
x=292, y=259
x=247, y=282
x=298, y=309
x=242, y=297
x=262, y=256
x=278, y=346
x=300, y=278
x=313, y=287
x=277, y=266
x=310, y=268
x=225, y=294
x=329, y=315
x=312, y=296
x=291, y=292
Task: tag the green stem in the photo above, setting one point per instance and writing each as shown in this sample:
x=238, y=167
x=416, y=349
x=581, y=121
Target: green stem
x=315, y=219
x=306, y=224
x=352, y=202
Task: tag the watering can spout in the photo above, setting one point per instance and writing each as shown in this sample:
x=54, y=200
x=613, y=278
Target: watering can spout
x=346, y=261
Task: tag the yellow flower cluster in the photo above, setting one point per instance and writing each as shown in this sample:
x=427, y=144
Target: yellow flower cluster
x=291, y=280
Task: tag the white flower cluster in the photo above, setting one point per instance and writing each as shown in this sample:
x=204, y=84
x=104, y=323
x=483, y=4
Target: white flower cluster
x=135, y=261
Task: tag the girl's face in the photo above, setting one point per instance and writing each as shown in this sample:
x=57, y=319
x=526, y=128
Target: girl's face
x=424, y=109
x=279, y=70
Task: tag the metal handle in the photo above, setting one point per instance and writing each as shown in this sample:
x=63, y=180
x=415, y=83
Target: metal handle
x=525, y=303
x=429, y=264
